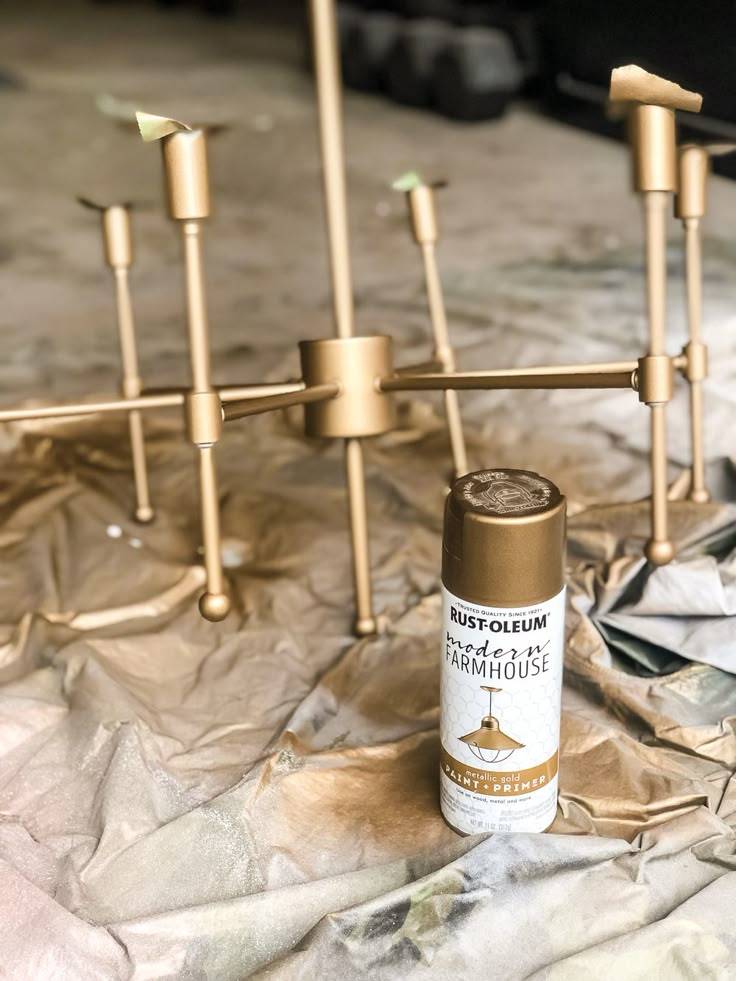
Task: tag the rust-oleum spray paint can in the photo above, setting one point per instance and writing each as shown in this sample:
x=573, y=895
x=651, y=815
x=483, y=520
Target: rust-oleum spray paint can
x=502, y=649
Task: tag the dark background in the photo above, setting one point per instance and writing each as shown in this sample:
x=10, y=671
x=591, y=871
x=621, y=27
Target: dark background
x=566, y=48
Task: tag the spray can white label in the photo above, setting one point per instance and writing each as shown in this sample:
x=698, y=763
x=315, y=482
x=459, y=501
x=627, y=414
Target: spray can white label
x=500, y=694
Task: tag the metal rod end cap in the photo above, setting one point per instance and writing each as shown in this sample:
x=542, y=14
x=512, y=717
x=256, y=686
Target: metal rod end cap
x=367, y=626
x=659, y=552
x=700, y=496
x=214, y=606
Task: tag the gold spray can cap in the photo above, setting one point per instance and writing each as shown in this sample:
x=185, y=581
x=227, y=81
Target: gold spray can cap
x=504, y=538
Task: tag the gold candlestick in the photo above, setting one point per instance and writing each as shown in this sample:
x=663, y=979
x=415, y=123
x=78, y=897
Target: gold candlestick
x=425, y=229
x=118, y=251
x=187, y=186
x=652, y=127
x=693, y=170
x=119, y=255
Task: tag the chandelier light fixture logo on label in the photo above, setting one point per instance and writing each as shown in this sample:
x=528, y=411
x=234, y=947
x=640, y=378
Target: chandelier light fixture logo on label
x=489, y=743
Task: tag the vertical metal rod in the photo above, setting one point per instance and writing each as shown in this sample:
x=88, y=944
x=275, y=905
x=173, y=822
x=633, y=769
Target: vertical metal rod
x=655, y=228
x=327, y=72
x=365, y=622
x=445, y=355
x=214, y=604
x=659, y=549
x=132, y=389
x=658, y=422
x=210, y=521
x=693, y=278
x=693, y=285
x=698, y=491
x=199, y=348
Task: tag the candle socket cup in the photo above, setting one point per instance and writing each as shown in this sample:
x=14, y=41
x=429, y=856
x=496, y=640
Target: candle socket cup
x=187, y=182
x=693, y=166
x=423, y=215
x=117, y=237
x=652, y=137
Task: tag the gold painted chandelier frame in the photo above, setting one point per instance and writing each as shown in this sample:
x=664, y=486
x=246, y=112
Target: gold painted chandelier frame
x=349, y=381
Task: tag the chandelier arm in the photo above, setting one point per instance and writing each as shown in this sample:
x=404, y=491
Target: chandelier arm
x=70, y=409
x=256, y=406
x=424, y=367
x=234, y=393
x=617, y=374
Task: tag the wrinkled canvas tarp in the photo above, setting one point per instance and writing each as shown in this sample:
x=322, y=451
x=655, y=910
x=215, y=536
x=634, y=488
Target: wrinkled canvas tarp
x=186, y=800
x=260, y=797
